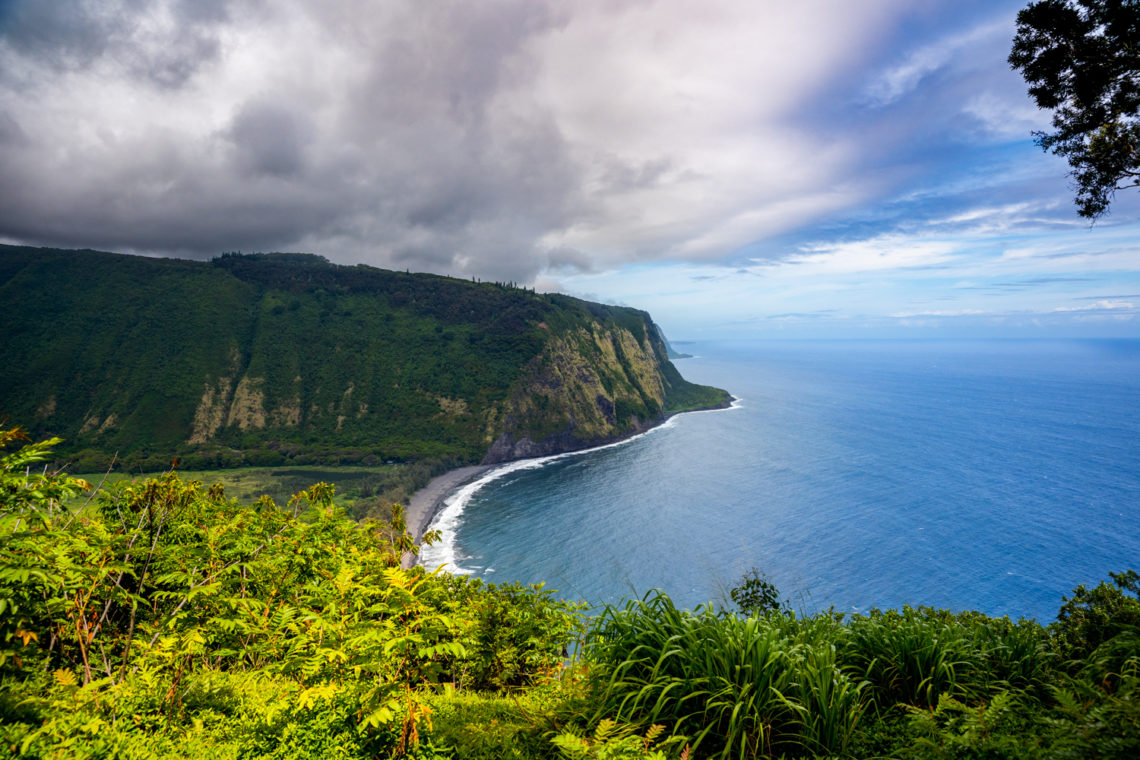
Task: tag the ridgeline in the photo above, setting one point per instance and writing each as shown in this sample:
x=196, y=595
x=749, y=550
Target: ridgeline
x=275, y=359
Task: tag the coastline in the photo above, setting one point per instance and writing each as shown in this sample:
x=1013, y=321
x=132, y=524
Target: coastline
x=425, y=504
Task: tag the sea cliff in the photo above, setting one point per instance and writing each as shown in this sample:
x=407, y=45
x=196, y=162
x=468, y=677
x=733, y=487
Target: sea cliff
x=276, y=359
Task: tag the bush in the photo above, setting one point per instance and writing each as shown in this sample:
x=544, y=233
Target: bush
x=476, y=726
x=756, y=595
x=999, y=730
x=520, y=635
x=611, y=741
x=1090, y=617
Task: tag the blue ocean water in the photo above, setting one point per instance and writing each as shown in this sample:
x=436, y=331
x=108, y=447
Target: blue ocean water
x=988, y=475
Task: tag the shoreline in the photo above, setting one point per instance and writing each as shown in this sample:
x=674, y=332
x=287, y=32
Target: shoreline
x=425, y=504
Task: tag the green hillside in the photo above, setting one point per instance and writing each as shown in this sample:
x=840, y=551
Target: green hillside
x=270, y=359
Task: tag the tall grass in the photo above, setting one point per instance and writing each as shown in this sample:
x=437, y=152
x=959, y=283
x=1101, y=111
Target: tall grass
x=831, y=702
x=732, y=687
x=913, y=656
x=735, y=687
x=905, y=657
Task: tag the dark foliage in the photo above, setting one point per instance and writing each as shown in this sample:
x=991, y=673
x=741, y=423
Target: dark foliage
x=1091, y=617
x=756, y=595
x=1081, y=59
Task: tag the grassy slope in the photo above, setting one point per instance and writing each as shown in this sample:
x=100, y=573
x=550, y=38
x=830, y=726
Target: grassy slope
x=85, y=328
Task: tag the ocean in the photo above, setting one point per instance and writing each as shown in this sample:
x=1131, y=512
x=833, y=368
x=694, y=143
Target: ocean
x=985, y=475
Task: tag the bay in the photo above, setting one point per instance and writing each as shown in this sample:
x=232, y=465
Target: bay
x=988, y=475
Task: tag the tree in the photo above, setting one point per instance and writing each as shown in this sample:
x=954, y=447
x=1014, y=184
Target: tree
x=756, y=595
x=1081, y=59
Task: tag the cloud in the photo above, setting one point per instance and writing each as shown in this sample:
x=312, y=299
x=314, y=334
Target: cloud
x=270, y=139
x=1004, y=116
x=1102, y=305
x=883, y=252
x=1111, y=298
x=940, y=313
x=904, y=77
x=391, y=135
x=1105, y=310
x=964, y=75
x=795, y=316
x=487, y=138
x=163, y=43
x=568, y=260
x=718, y=161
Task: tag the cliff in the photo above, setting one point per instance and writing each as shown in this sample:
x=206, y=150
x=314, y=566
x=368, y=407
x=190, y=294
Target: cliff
x=271, y=359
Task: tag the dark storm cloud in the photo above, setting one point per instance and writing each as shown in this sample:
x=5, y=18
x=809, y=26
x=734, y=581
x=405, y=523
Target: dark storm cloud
x=623, y=176
x=563, y=259
x=270, y=138
x=11, y=133
x=71, y=35
x=62, y=34
x=513, y=139
x=395, y=136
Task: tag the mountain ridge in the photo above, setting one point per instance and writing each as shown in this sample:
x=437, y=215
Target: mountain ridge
x=270, y=359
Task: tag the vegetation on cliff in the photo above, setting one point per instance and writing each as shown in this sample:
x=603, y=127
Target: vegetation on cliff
x=275, y=359
x=163, y=619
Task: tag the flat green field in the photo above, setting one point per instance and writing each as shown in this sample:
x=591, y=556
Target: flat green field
x=361, y=491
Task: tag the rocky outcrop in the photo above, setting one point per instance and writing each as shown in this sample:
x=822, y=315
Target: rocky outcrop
x=589, y=386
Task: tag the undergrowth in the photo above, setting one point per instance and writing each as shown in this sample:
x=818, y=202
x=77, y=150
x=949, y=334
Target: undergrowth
x=168, y=620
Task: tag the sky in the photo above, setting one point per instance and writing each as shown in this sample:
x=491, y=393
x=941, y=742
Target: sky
x=742, y=169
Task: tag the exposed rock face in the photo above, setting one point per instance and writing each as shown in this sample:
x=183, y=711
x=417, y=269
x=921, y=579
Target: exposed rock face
x=589, y=385
x=586, y=388
x=247, y=411
x=213, y=409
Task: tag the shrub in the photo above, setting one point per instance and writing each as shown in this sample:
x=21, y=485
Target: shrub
x=998, y=730
x=611, y=741
x=756, y=595
x=1091, y=617
x=477, y=726
x=520, y=635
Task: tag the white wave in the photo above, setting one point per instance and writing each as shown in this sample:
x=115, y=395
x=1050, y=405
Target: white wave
x=450, y=516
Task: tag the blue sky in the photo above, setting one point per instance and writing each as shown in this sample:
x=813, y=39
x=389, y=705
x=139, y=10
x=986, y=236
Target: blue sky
x=819, y=169
x=955, y=223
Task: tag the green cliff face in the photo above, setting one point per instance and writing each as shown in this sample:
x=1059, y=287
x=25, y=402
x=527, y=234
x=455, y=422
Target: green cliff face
x=285, y=358
x=588, y=385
